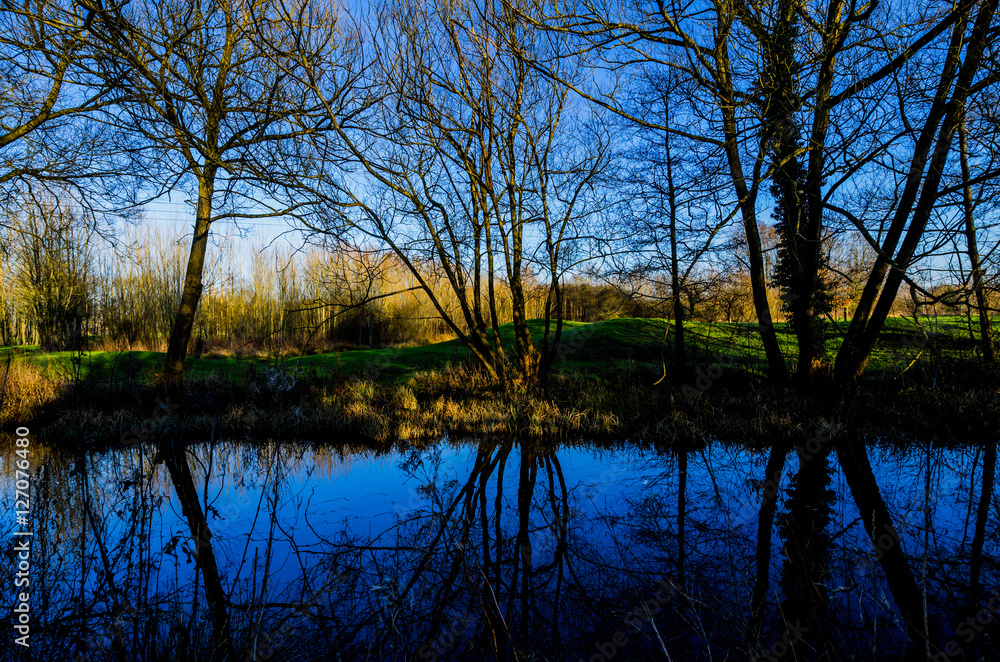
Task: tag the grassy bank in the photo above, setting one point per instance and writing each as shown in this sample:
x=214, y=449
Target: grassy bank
x=608, y=383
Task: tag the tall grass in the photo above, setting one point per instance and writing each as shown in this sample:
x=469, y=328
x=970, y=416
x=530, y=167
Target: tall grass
x=138, y=289
x=24, y=389
x=270, y=299
x=256, y=298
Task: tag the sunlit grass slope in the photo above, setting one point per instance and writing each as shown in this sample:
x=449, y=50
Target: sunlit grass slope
x=586, y=346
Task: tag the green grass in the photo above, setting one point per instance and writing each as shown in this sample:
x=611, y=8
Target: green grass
x=389, y=362
x=602, y=388
x=597, y=346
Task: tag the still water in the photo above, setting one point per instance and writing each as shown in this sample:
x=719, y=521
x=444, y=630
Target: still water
x=471, y=549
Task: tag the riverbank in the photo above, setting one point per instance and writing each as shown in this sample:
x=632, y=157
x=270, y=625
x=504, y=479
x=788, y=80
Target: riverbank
x=608, y=384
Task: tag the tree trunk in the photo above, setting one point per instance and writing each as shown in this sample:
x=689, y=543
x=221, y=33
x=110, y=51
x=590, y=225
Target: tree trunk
x=175, y=458
x=792, y=268
x=525, y=492
x=985, y=335
x=765, y=524
x=918, y=198
x=889, y=550
x=682, y=472
x=982, y=517
x=747, y=201
x=675, y=279
x=525, y=351
x=553, y=301
x=772, y=351
x=180, y=335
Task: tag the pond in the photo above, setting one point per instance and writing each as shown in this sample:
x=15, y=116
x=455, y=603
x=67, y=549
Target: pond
x=476, y=549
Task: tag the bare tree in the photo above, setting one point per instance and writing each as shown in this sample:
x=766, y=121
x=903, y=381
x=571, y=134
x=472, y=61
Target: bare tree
x=796, y=93
x=959, y=74
x=47, y=94
x=978, y=286
x=673, y=195
x=47, y=297
x=207, y=106
x=472, y=162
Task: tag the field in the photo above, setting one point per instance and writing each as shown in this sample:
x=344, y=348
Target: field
x=597, y=346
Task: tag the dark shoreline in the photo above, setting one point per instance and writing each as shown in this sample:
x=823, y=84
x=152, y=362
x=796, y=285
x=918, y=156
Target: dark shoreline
x=609, y=406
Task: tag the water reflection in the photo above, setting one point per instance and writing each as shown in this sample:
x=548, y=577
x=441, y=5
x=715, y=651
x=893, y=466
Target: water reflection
x=805, y=572
x=486, y=550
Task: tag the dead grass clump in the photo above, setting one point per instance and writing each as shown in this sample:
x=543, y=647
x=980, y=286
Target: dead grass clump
x=28, y=388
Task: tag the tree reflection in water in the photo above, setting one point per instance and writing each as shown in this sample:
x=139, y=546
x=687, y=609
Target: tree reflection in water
x=805, y=573
x=488, y=550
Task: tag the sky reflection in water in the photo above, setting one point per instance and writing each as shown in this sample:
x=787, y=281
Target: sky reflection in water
x=473, y=550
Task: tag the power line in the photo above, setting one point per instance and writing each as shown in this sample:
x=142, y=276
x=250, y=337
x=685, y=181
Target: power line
x=222, y=220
